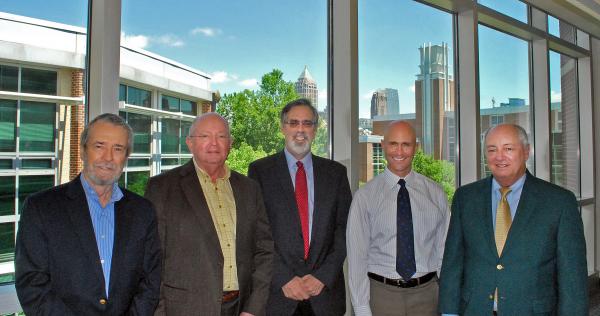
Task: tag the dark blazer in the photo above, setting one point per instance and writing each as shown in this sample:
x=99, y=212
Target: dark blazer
x=57, y=264
x=327, y=250
x=192, y=272
x=542, y=270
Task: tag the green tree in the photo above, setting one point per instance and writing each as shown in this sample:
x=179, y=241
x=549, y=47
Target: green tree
x=239, y=158
x=254, y=115
x=320, y=144
x=440, y=171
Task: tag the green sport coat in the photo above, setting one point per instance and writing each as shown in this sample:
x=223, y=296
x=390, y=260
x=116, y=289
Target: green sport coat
x=542, y=270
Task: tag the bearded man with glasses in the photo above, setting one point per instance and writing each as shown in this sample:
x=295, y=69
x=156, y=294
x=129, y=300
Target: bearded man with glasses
x=307, y=199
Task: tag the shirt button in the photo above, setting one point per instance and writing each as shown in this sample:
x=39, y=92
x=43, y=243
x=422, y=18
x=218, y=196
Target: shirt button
x=102, y=261
x=102, y=236
x=102, y=301
x=499, y=267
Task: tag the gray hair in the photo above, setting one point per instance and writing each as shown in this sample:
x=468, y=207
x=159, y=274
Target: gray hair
x=112, y=119
x=523, y=138
x=205, y=115
x=299, y=102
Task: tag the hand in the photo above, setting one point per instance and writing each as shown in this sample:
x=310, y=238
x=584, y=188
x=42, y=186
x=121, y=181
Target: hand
x=294, y=289
x=245, y=314
x=312, y=285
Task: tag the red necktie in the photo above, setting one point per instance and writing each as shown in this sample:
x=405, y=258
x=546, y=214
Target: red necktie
x=302, y=202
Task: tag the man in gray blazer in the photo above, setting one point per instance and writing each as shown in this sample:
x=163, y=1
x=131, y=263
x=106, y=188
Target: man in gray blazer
x=214, y=231
x=307, y=198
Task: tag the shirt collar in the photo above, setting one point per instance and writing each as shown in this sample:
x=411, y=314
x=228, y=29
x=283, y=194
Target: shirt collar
x=517, y=186
x=116, y=195
x=205, y=175
x=392, y=179
x=291, y=160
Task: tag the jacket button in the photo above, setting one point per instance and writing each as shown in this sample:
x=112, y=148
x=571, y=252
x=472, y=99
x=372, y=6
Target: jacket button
x=491, y=297
x=499, y=267
x=102, y=301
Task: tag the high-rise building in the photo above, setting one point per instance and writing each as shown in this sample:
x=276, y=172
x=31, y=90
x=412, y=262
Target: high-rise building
x=306, y=86
x=385, y=102
x=393, y=103
x=434, y=103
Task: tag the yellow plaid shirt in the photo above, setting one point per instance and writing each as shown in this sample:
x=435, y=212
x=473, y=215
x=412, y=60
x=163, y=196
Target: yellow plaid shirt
x=221, y=203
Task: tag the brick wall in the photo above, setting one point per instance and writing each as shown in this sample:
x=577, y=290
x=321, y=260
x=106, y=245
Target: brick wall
x=77, y=124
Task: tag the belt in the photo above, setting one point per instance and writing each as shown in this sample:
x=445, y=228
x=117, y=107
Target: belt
x=401, y=283
x=229, y=296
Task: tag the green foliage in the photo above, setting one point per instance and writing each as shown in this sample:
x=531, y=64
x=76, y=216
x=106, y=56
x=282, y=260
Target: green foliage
x=320, y=145
x=254, y=115
x=440, y=171
x=239, y=158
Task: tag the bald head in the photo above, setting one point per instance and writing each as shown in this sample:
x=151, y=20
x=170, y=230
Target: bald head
x=210, y=116
x=399, y=145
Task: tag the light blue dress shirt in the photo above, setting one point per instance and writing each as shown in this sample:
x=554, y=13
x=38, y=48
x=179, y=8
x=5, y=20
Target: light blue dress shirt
x=103, y=220
x=310, y=182
x=513, y=202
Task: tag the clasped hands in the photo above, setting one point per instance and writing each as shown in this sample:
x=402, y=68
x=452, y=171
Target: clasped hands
x=300, y=289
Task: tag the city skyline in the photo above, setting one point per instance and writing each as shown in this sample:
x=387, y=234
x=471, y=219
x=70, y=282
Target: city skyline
x=238, y=42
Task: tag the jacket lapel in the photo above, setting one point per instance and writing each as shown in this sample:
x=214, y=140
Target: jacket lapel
x=192, y=190
x=79, y=214
x=123, y=224
x=487, y=216
x=283, y=174
x=321, y=191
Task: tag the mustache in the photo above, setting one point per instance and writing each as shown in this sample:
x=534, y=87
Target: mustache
x=105, y=165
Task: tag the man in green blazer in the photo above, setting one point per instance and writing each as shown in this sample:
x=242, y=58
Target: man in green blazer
x=515, y=245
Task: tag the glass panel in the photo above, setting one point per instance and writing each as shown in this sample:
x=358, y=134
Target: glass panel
x=36, y=163
x=139, y=97
x=169, y=103
x=188, y=107
x=38, y=81
x=562, y=29
x=7, y=242
x=513, y=8
x=123, y=93
x=136, y=181
x=138, y=163
x=8, y=117
x=564, y=122
x=141, y=125
x=504, y=86
x=169, y=161
x=185, y=130
x=7, y=195
x=169, y=137
x=6, y=163
x=253, y=87
x=37, y=126
x=407, y=75
x=33, y=184
x=9, y=78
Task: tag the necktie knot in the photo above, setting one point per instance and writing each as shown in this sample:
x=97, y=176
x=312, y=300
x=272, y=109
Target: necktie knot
x=300, y=164
x=504, y=191
x=402, y=183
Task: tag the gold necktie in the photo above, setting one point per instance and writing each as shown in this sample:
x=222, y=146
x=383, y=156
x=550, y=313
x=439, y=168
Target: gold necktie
x=503, y=220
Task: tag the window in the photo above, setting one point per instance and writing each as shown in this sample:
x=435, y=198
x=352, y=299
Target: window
x=513, y=8
x=9, y=76
x=561, y=29
x=135, y=96
x=37, y=126
x=564, y=122
x=408, y=75
x=38, y=81
x=504, y=85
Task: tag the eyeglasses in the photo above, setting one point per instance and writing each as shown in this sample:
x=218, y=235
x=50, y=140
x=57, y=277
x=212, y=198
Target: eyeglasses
x=296, y=123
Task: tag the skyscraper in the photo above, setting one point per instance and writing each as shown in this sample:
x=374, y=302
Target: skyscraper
x=434, y=102
x=393, y=104
x=306, y=86
x=378, y=103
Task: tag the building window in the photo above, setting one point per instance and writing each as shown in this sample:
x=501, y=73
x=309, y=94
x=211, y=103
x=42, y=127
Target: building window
x=173, y=104
x=514, y=8
x=135, y=96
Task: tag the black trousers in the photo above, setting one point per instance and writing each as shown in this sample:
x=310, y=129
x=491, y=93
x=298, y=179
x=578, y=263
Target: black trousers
x=304, y=309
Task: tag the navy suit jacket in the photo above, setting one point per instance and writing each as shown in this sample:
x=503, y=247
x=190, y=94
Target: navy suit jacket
x=542, y=269
x=327, y=252
x=57, y=265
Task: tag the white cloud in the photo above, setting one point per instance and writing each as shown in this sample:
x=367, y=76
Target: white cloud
x=169, y=40
x=368, y=95
x=206, y=31
x=249, y=83
x=412, y=88
x=136, y=41
x=222, y=76
x=555, y=96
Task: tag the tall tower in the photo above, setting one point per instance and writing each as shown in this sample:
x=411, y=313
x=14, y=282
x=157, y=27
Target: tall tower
x=306, y=86
x=393, y=103
x=378, y=103
x=434, y=102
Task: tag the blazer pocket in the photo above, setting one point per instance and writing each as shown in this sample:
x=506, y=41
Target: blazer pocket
x=172, y=293
x=544, y=305
x=464, y=301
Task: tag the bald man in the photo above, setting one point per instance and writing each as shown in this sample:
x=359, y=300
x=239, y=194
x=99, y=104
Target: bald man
x=214, y=231
x=395, y=235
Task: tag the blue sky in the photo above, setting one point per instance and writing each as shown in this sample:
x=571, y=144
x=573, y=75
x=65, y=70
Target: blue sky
x=237, y=41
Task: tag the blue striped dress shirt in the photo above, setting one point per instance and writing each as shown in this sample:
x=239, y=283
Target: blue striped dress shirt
x=310, y=182
x=103, y=220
